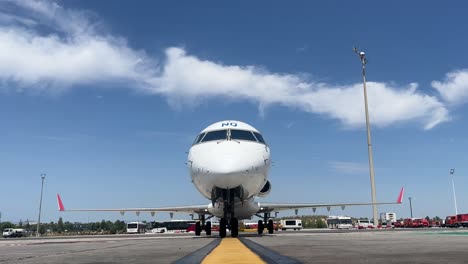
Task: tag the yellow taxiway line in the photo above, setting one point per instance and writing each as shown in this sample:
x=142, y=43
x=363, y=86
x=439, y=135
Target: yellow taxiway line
x=231, y=250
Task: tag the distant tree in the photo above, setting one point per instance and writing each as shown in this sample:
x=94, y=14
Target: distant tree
x=52, y=226
x=4, y=225
x=20, y=224
x=28, y=225
x=68, y=226
x=60, y=227
x=321, y=224
x=120, y=226
x=428, y=218
x=95, y=226
x=103, y=225
x=109, y=225
x=437, y=218
x=42, y=229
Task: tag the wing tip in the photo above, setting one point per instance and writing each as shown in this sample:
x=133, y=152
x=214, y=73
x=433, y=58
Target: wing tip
x=60, y=203
x=400, y=196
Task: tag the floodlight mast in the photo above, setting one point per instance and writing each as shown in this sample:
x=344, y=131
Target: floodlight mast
x=452, y=171
x=362, y=57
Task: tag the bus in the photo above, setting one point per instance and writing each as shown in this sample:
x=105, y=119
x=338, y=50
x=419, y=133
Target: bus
x=339, y=222
x=173, y=226
x=136, y=227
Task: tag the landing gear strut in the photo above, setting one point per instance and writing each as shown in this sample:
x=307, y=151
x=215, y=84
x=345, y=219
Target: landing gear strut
x=229, y=216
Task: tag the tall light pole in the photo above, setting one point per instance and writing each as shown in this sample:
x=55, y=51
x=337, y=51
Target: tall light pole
x=452, y=171
x=410, y=207
x=40, y=205
x=362, y=57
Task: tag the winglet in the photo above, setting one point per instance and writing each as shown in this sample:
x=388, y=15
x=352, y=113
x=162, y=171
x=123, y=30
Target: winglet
x=400, y=197
x=60, y=204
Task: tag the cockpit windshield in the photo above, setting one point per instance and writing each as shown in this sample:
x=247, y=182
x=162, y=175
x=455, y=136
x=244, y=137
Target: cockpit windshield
x=242, y=135
x=215, y=135
x=259, y=137
x=198, y=138
x=232, y=134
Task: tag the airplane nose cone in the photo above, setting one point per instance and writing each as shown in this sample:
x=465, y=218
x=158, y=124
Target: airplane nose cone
x=228, y=164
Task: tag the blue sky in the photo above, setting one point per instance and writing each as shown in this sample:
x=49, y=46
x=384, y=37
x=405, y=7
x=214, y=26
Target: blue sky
x=106, y=99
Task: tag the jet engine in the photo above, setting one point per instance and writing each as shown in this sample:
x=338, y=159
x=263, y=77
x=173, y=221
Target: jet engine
x=266, y=189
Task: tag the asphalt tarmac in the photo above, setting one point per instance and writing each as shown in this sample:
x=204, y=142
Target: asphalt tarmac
x=307, y=246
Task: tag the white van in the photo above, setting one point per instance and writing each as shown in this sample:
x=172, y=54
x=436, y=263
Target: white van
x=364, y=224
x=13, y=232
x=295, y=224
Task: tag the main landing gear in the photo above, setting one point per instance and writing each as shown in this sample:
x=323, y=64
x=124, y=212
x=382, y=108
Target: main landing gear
x=200, y=225
x=269, y=224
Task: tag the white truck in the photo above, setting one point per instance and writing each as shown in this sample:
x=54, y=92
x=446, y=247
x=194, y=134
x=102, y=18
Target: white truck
x=295, y=224
x=13, y=232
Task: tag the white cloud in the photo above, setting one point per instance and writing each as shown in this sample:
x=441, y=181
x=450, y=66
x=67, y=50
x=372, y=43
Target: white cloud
x=188, y=76
x=28, y=59
x=454, y=89
x=73, y=52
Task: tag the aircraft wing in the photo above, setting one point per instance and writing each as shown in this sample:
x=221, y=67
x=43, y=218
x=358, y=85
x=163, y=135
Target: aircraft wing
x=274, y=207
x=198, y=209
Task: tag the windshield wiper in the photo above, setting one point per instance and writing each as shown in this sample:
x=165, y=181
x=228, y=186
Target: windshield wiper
x=221, y=140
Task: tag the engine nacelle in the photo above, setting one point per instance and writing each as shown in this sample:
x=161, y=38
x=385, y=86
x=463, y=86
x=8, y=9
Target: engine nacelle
x=266, y=189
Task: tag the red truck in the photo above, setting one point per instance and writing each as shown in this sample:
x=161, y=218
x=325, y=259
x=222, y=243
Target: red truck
x=462, y=220
x=415, y=222
x=451, y=221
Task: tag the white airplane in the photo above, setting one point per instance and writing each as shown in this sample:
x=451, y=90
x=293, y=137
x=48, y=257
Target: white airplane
x=229, y=163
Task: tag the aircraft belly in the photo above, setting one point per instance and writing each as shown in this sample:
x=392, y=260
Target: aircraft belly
x=250, y=182
x=241, y=210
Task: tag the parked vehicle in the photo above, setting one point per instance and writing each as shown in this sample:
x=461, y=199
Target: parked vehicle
x=339, y=222
x=451, y=221
x=415, y=222
x=434, y=223
x=462, y=220
x=295, y=224
x=363, y=224
x=13, y=232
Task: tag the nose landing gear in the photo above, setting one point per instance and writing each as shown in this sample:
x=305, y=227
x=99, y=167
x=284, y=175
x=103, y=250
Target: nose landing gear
x=229, y=218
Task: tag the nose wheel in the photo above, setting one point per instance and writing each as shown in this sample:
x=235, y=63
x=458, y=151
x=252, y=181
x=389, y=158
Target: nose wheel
x=222, y=227
x=234, y=227
x=229, y=215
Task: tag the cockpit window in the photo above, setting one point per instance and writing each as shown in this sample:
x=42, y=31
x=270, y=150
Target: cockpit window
x=215, y=135
x=259, y=137
x=242, y=135
x=198, y=138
